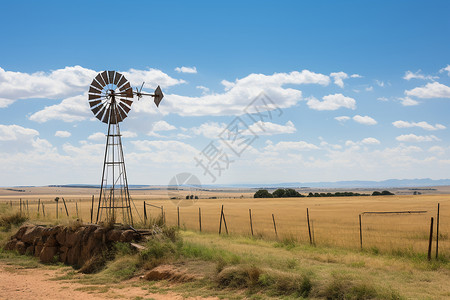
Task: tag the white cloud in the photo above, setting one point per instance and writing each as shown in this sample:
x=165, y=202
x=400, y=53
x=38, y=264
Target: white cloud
x=416, y=138
x=269, y=128
x=446, y=69
x=16, y=132
x=410, y=75
x=290, y=146
x=342, y=118
x=241, y=92
x=382, y=99
x=210, y=130
x=160, y=152
x=98, y=136
x=379, y=83
x=365, y=120
x=423, y=125
x=355, y=76
x=437, y=150
x=128, y=134
x=332, y=102
x=204, y=89
x=191, y=70
x=339, y=78
x=369, y=89
x=62, y=134
x=67, y=83
x=69, y=110
x=370, y=141
x=406, y=101
x=431, y=90
x=163, y=126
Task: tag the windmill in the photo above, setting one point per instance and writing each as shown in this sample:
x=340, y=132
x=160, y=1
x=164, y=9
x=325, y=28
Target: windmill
x=110, y=99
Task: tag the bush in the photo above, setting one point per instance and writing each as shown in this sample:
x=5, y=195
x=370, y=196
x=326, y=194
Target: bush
x=16, y=219
x=262, y=194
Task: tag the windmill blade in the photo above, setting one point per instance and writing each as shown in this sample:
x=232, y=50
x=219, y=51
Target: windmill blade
x=118, y=76
x=93, y=90
x=123, y=114
x=100, y=79
x=127, y=102
x=102, y=111
x=124, y=107
x=105, y=77
x=94, y=96
x=106, y=116
x=119, y=116
x=96, y=84
x=94, y=103
x=122, y=81
x=127, y=89
x=111, y=76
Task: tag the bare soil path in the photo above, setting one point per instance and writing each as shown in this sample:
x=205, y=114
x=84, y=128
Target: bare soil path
x=17, y=282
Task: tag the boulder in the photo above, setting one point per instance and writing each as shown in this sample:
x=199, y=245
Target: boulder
x=11, y=244
x=128, y=236
x=113, y=235
x=61, y=236
x=21, y=247
x=72, y=256
x=48, y=254
x=51, y=242
x=29, y=250
x=31, y=233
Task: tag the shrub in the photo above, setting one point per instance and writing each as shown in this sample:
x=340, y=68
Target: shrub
x=262, y=194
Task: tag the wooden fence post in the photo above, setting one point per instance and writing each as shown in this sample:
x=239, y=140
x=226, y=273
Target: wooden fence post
x=309, y=227
x=431, y=239
x=251, y=222
x=39, y=203
x=437, y=233
x=92, y=207
x=43, y=210
x=200, y=218
x=224, y=221
x=20, y=204
x=275, y=226
x=65, y=206
x=360, y=232
x=145, y=214
x=220, y=223
x=76, y=207
x=57, y=208
x=178, y=213
x=28, y=213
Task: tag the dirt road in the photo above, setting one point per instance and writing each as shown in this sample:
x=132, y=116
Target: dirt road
x=19, y=283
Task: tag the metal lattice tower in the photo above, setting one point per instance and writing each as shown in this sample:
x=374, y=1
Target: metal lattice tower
x=110, y=99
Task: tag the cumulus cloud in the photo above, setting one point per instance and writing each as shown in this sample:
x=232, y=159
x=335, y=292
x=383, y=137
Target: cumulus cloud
x=16, y=132
x=423, y=125
x=269, y=128
x=407, y=101
x=410, y=75
x=128, y=134
x=365, y=120
x=98, y=136
x=191, y=70
x=210, y=129
x=412, y=138
x=342, y=118
x=204, y=89
x=370, y=141
x=339, y=78
x=163, y=126
x=331, y=102
x=69, y=110
x=446, y=69
x=62, y=134
x=355, y=76
x=290, y=146
x=382, y=99
x=66, y=83
x=431, y=90
x=239, y=94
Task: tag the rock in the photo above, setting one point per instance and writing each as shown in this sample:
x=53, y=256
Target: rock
x=37, y=250
x=61, y=236
x=11, y=244
x=48, y=254
x=21, y=247
x=29, y=250
x=74, y=238
x=127, y=236
x=63, y=254
x=51, y=242
x=113, y=235
x=21, y=231
x=99, y=233
x=72, y=255
x=31, y=233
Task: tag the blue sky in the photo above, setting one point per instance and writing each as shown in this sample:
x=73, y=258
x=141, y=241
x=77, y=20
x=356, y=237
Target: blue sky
x=363, y=89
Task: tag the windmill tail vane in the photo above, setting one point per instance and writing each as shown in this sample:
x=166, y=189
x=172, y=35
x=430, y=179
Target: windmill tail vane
x=110, y=98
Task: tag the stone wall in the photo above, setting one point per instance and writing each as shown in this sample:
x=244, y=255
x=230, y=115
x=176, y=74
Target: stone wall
x=72, y=246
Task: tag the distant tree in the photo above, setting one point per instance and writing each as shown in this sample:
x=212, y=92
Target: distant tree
x=310, y=194
x=292, y=193
x=262, y=194
x=196, y=197
x=376, y=193
x=279, y=193
x=386, y=193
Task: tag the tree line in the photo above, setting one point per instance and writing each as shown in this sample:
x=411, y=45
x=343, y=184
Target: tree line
x=287, y=193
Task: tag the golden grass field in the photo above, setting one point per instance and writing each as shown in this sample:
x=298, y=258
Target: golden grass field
x=334, y=221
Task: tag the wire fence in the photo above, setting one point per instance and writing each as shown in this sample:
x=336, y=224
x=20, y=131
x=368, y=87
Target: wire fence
x=396, y=232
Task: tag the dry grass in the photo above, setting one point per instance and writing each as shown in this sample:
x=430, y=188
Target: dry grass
x=334, y=221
